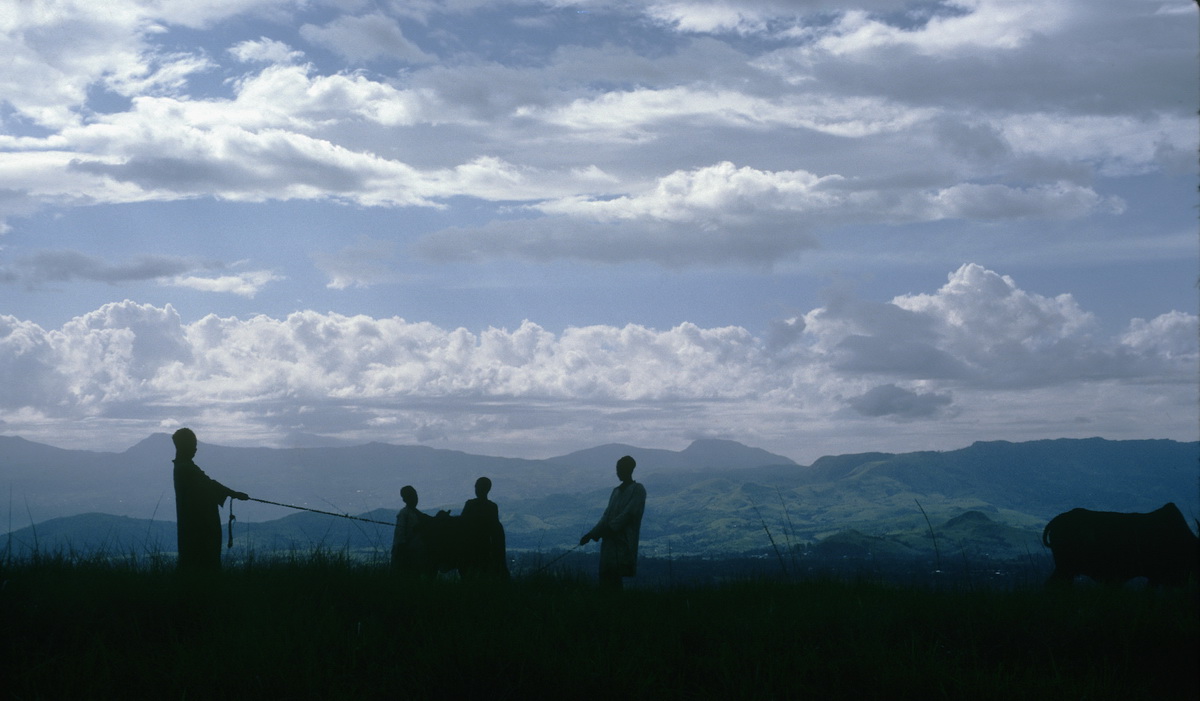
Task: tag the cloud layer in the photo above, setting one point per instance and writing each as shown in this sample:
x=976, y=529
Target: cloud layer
x=976, y=110
x=243, y=167
x=964, y=355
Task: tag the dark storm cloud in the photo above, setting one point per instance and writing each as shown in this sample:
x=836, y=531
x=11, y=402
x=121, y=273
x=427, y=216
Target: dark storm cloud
x=248, y=168
x=65, y=266
x=900, y=403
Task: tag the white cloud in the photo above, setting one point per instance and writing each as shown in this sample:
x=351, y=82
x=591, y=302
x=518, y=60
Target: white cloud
x=365, y=38
x=1170, y=336
x=708, y=17
x=245, y=284
x=1120, y=145
x=59, y=50
x=997, y=202
x=923, y=357
x=974, y=24
x=265, y=50
x=837, y=92
x=742, y=215
x=719, y=192
x=981, y=330
x=635, y=114
x=680, y=132
x=724, y=192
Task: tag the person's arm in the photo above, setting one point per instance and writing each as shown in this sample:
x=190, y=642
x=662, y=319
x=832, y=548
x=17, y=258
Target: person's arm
x=227, y=492
x=215, y=490
x=600, y=530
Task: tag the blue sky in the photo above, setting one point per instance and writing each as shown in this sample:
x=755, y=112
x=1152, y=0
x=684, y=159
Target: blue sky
x=524, y=228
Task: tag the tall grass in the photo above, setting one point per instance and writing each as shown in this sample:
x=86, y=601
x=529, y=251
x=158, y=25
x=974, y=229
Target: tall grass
x=321, y=625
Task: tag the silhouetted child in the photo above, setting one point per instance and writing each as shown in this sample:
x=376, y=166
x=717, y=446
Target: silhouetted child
x=619, y=527
x=197, y=497
x=484, y=551
x=409, y=552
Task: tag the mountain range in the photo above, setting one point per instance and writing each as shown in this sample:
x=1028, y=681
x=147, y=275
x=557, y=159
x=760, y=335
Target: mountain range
x=714, y=497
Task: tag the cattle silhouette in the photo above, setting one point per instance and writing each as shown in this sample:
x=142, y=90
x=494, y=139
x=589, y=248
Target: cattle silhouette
x=1114, y=547
x=455, y=543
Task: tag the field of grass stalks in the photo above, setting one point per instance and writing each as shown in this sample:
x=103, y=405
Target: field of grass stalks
x=320, y=626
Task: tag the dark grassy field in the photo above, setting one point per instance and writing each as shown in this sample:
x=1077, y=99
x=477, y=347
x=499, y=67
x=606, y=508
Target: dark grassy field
x=323, y=627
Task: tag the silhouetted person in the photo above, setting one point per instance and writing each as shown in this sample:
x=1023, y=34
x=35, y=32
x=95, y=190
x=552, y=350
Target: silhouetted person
x=619, y=527
x=410, y=555
x=197, y=497
x=483, y=550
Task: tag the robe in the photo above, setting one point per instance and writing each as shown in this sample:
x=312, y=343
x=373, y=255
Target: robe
x=619, y=529
x=197, y=522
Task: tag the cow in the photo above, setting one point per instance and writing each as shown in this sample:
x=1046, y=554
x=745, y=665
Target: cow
x=454, y=543
x=1112, y=547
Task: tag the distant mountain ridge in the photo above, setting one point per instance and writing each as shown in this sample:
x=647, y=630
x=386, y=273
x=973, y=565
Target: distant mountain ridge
x=53, y=482
x=712, y=497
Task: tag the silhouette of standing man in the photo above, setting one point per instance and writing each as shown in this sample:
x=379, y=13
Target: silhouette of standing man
x=619, y=527
x=197, y=497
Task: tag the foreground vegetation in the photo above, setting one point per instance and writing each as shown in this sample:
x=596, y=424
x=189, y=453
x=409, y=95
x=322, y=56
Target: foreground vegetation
x=319, y=626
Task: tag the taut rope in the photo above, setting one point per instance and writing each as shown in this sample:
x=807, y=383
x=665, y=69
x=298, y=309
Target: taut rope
x=318, y=511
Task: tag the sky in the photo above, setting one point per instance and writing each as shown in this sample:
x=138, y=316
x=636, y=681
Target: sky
x=528, y=227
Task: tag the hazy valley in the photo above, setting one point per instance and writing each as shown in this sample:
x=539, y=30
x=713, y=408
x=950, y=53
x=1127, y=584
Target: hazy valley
x=715, y=498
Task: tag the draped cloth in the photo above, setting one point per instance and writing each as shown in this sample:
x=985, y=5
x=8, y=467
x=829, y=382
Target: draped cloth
x=619, y=529
x=198, y=523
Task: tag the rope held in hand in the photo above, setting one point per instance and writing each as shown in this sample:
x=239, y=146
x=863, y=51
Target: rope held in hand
x=359, y=518
x=232, y=518
x=546, y=566
x=318, y=511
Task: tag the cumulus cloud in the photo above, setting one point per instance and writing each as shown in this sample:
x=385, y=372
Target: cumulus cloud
x=1172, y=335
x=266, y=50
x=977, y=344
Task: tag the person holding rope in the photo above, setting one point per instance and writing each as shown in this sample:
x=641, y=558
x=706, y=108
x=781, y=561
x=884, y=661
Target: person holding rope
x=197, y=498
x=619, y=528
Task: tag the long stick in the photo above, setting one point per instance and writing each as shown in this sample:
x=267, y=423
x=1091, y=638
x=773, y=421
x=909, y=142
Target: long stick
x=933, y=535
x=546, y=566
x=779, y=555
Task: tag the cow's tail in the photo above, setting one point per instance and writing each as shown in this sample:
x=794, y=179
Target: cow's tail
x=1046, y=533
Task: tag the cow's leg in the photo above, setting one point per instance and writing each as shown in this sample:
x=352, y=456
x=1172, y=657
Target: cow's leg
x=1059, y=578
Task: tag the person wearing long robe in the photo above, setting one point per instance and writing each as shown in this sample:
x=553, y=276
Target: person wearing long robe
x=197, y=498
x=619, y=527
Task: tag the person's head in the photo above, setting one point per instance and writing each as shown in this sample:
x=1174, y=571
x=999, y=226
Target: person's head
x=625, y=468
x=483, y=485
x=185, y=443
x=409, y=495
